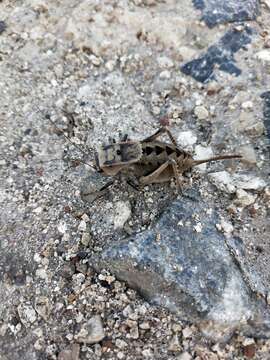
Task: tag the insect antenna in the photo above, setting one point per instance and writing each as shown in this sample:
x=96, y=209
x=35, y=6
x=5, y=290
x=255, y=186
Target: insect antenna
x=216, y=158
x=48, y=117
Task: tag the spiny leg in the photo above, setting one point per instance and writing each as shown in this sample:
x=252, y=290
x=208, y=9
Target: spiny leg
x=155, y=174
x=154, y=136
x=94, y=195
x=177, y=174
x=171, y=136
x=160, y=132
x=133, y=185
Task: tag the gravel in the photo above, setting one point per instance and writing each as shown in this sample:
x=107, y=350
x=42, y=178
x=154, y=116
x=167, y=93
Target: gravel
x=95, y=69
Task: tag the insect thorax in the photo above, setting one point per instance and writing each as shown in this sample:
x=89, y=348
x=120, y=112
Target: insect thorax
x=122, y=153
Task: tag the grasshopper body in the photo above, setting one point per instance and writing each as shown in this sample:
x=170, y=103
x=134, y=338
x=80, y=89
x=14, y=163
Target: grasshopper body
x=151, y=160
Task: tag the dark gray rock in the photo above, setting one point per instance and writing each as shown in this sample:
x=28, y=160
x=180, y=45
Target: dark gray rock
x=184, y=264
x=220, y=11
x=3, y=26
x=266, y=111
x=221, y=54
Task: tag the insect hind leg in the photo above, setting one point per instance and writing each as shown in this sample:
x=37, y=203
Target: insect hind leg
x=177, y=174
x=158, y=133
x=144, y=180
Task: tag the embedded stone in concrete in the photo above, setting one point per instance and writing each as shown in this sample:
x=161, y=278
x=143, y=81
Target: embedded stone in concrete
x=215, y=12
x=219, y=55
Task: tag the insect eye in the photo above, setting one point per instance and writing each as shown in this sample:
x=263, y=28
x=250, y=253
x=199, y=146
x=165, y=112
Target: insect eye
x=118, y=152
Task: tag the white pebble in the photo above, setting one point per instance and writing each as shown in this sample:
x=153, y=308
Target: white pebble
x=263, y=55
x=198, y=227
x=247, y=105
x=186, y=138
x=165, y=74
x=122, y=214
x=202, y=152
x=92, y=332
x=165, y=62
x=27, y=314
x=184, y=356
x=201, y=112
x=147, y=353
x=243, y=198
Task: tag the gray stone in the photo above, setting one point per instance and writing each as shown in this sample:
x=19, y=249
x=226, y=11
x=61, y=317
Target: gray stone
x=3, y=26
x=220, y=11
x=192, y=274
x=27, y=314
x=71, y=353
x=92, y=332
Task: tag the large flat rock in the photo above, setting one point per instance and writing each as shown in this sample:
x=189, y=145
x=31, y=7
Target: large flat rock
x=183, y=263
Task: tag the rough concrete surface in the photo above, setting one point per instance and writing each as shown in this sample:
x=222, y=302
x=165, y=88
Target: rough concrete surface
x=97, y=68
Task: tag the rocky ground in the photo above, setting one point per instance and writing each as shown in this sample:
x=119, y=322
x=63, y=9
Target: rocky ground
x=97, y=68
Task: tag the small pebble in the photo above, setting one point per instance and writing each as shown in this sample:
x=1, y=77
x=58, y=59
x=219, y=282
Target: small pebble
x=174, y=344
x=147, y=353
x=27, y=314
x=134, y=332
x=243, y=198
x=120, y=355
x=264, y=56
x=249, y=154
x=249, y=351
x=187, y=332
x=122, y=214
x=202, y=152
x=92, y=332
x=71, y=353
x=186, y=138
x=121, y=344
x=247, y=105
x=144, y=325
x=165, y=62
x=184, y=356
x=85, y=239
x=165, y=74
x=201, y=112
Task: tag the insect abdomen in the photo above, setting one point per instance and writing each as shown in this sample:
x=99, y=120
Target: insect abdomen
x=157, y=153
